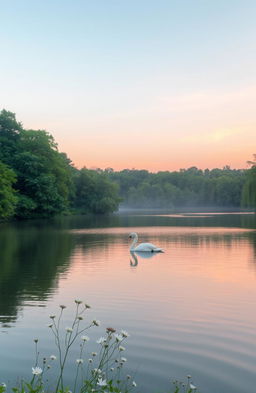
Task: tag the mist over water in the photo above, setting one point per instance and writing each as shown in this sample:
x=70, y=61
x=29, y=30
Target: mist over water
x=188, y=311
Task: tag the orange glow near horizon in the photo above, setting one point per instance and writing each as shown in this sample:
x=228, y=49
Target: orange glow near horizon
x=161, y=158
x=203, y=130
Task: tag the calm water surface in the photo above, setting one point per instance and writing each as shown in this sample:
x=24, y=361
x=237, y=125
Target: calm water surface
x=190, y=310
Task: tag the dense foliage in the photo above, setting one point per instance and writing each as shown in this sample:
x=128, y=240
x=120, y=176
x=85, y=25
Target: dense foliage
x=36, y=180
x=7, y=194
x=95, y=192
x=249, y=190
x=187, y=187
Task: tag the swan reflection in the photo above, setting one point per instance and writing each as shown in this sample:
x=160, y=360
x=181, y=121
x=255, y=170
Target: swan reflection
x=141, y=254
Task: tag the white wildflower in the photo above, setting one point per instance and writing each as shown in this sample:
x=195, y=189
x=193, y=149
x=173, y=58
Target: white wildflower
x=134, y=384
x=90, y=360
x=123, y=360
x=121, y=348
x=192, y=387
x=53, y=357
x=36, y=370
x=78, y=301
x=101, y=340
x=52, y=316
x=112, y=369
x=79, y=361
x=94, y=353
x=124, y=333
x=96, y=322
x=69, y=330
x=102, y=382
x=85, y=338
x=118, y=337
x=97, y=371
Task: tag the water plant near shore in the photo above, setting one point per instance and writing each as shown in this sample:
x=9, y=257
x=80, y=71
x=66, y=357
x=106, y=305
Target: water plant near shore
x=98, y=372
x=185, y=387
x=102, y=372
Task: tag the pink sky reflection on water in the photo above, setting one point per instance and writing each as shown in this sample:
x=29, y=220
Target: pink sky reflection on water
x=203, y=272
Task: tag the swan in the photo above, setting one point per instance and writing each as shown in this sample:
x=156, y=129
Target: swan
x=145, y=247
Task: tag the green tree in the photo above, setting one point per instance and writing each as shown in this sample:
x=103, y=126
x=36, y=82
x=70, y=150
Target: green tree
x=95, y=193
x=249, y=189
x=188, y=187
x=8, y=198
x=44, y=175
x=9, y=136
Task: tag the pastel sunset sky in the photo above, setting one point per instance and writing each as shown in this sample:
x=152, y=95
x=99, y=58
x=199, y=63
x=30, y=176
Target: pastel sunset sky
x=146, y=84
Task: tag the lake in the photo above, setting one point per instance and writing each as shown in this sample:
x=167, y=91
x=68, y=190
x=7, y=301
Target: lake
x=190, y=310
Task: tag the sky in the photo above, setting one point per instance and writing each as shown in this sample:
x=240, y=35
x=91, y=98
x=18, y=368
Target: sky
x=145, y=84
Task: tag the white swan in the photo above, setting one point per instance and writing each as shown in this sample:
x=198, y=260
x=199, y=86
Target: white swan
x=145, y=247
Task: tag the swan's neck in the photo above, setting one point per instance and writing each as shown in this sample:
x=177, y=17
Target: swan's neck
x=134, y=242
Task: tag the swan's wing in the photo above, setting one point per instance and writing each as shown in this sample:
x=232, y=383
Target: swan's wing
x=158, y=250
x=148, y=247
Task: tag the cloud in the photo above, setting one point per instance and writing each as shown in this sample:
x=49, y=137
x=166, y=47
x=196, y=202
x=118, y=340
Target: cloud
x=215, y=136
x=209, y=100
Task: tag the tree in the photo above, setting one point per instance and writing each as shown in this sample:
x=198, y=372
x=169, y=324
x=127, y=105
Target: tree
x=188, y=187
x=95, y=193
x=249, y=189
x=9, y=136
x=44, y=175
x=8, y=198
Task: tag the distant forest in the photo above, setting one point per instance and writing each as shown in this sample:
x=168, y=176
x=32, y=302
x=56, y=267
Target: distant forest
x=36, y=180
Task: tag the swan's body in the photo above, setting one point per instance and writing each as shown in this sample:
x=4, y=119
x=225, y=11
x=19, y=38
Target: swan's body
x=141, y=254
x=143, y=247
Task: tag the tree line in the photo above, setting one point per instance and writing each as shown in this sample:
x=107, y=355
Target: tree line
x=190, y=187
x=36, y=180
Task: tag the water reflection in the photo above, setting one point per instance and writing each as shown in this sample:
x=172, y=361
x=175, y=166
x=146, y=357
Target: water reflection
x=202, y=290
x=31, y=261
x=34, y=255
x=141, y=254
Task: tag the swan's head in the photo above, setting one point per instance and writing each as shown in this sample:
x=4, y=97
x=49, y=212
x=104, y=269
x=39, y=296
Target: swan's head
x=133, y=235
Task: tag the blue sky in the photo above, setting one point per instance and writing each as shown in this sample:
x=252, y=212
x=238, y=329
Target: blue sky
x=133, y=74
